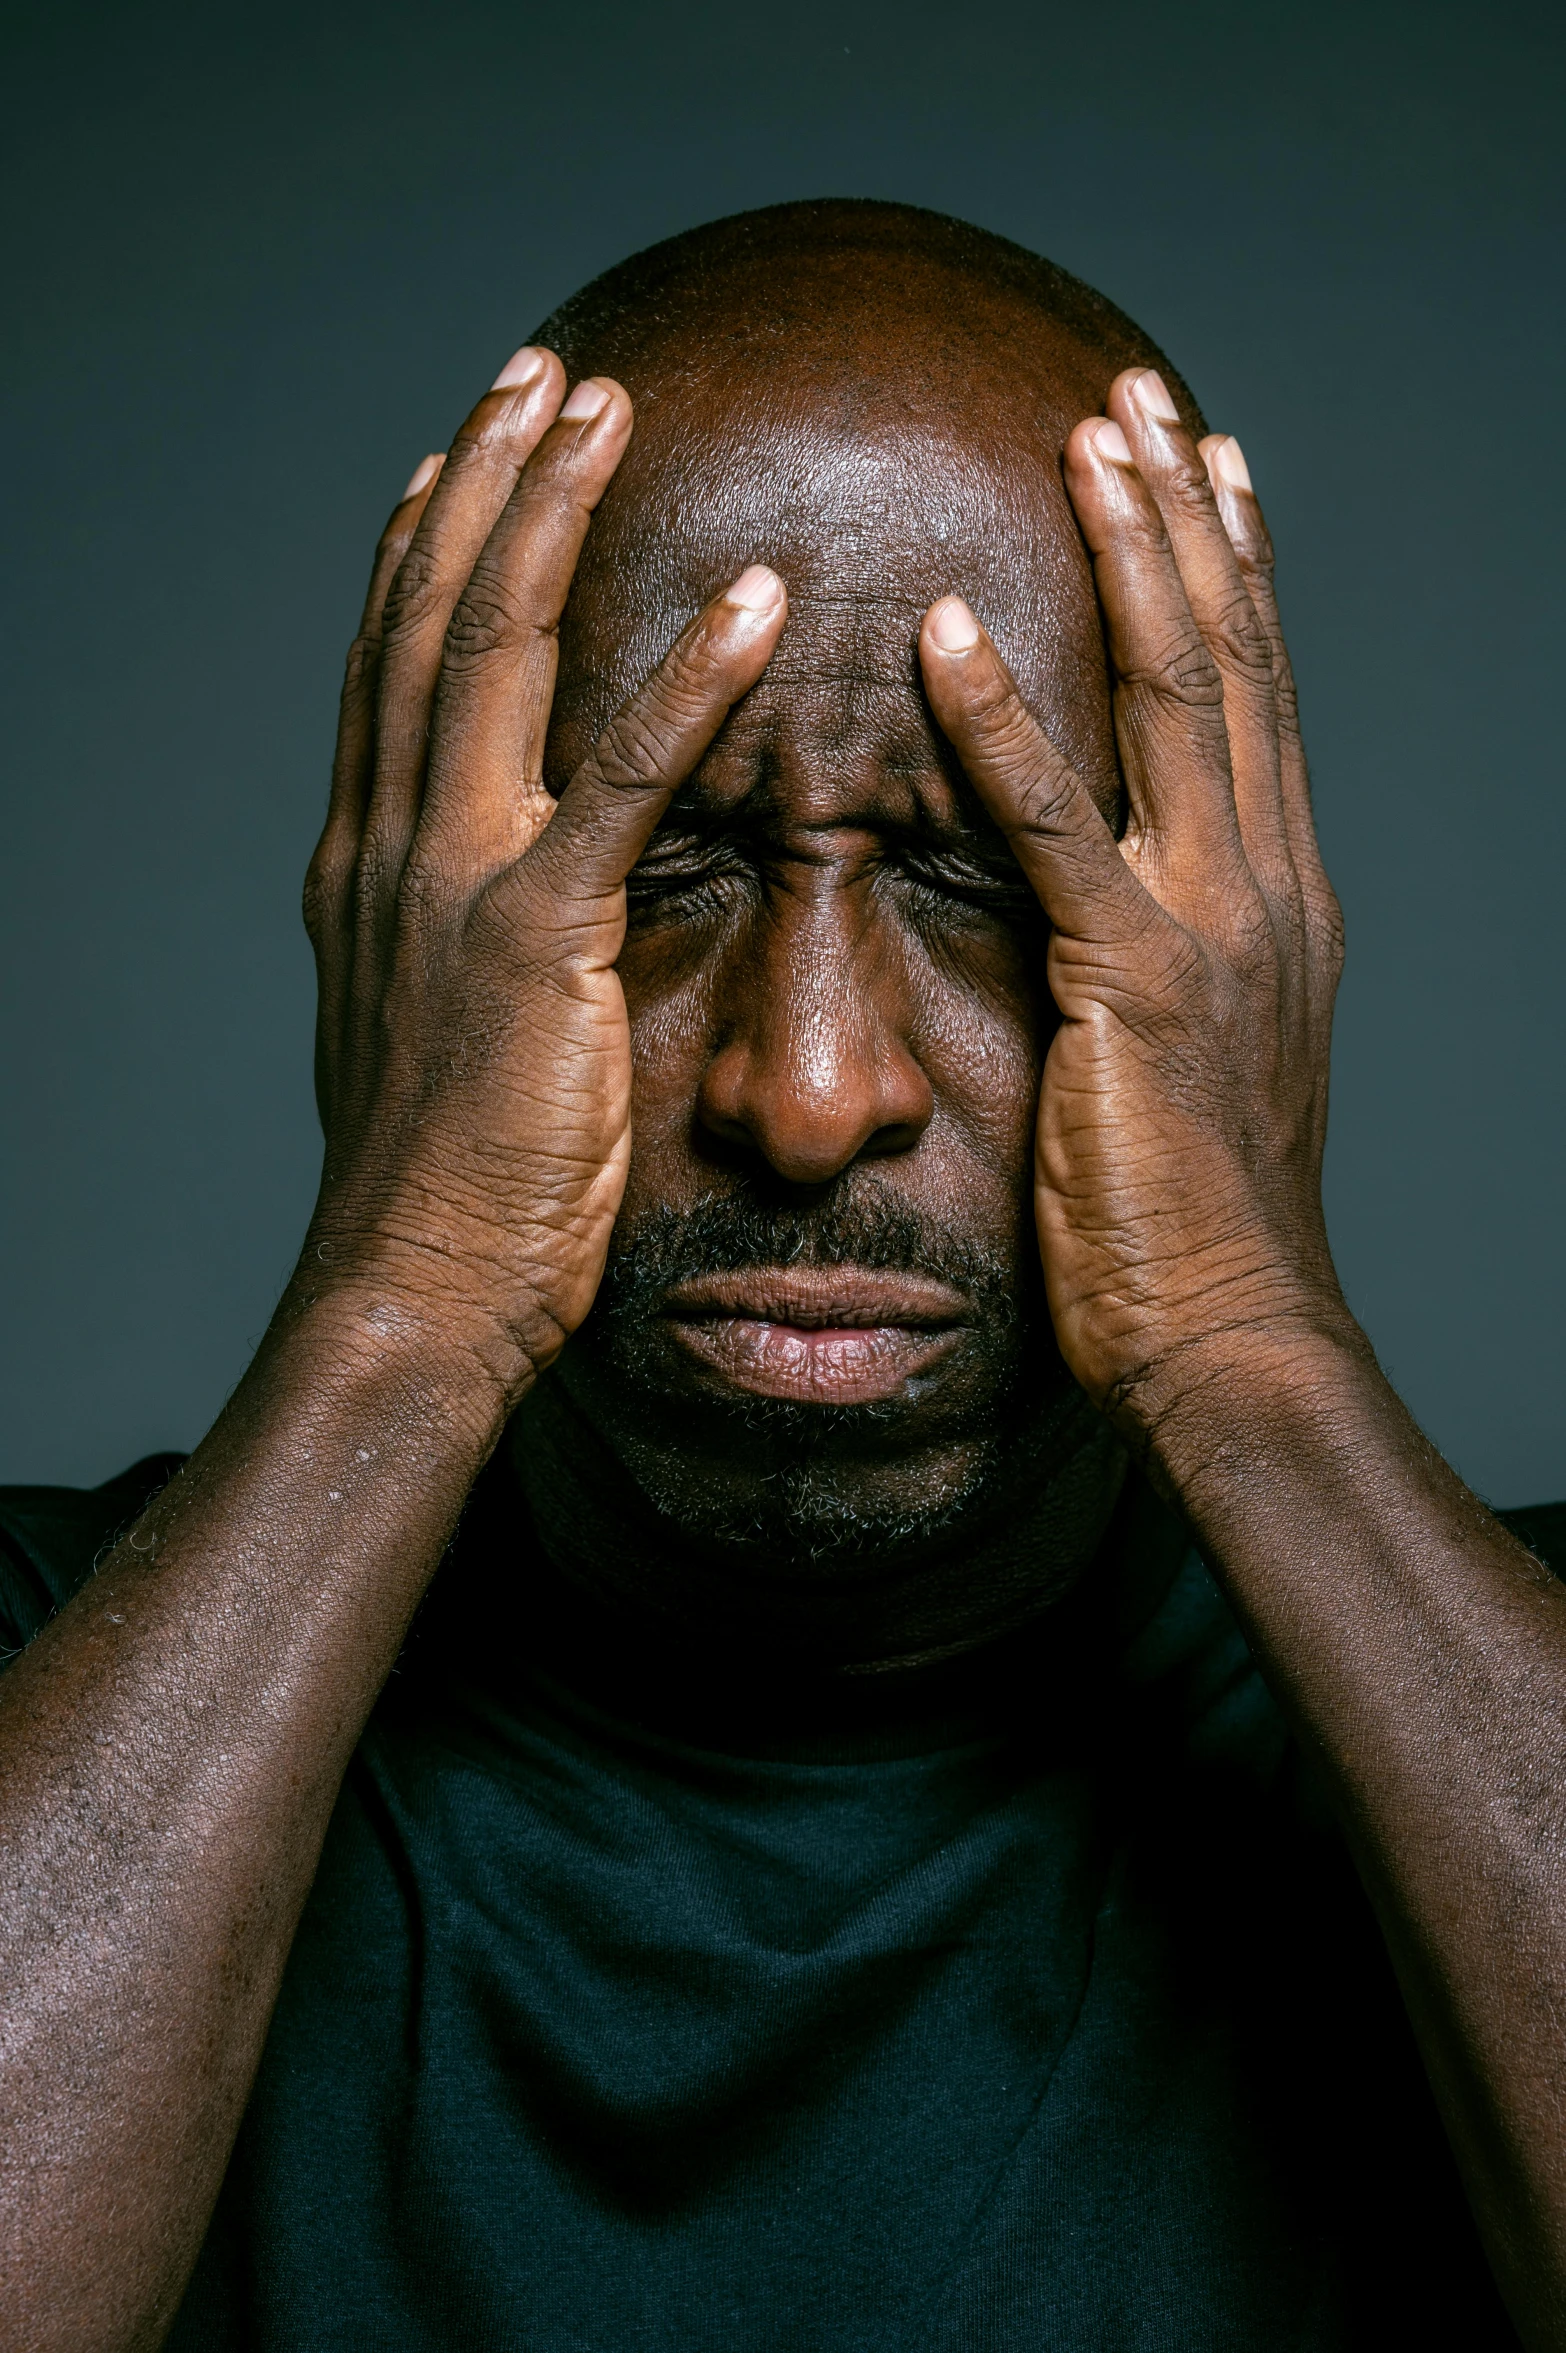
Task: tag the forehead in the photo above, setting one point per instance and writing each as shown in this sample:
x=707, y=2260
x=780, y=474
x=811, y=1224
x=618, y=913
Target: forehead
x=871, y=497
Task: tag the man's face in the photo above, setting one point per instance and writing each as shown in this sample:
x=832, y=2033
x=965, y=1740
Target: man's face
x=822, y=1330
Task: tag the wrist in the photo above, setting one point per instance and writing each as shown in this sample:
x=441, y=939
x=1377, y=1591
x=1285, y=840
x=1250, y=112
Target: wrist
x=371, y=1316
x=418, y=1257
x=1223, y=1405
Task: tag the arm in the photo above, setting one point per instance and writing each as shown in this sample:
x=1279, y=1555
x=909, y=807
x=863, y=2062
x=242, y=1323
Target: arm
x=172, y=1744
x=1420, y=1649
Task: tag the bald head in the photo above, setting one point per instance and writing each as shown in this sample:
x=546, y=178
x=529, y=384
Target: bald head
x=872, y=399
x=819, y=287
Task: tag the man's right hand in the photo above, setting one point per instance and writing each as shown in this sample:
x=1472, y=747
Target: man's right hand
x=473, y=1059
x=174, y=1740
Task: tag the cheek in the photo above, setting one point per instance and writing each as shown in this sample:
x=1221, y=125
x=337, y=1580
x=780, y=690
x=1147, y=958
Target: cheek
x=984, y=1021
x=669, y=1004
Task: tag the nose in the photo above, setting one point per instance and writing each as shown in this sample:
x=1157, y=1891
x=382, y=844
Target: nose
x=813, y=1067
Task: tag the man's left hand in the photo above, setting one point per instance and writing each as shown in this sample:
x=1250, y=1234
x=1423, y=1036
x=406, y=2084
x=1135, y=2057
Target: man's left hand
x=1193, y=961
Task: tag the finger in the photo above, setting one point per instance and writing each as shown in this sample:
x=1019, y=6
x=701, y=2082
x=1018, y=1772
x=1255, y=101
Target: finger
x=351, y=765
x=1219, y=597
x=1183, y=832
x=607, y=812
x=484, y=800
x=1247, y=530
x=1248, y=535
x=478, y=477
x=1056, y=831
x=328, y=889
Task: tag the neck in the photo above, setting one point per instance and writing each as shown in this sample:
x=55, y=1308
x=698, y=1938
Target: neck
x=1019, y=1550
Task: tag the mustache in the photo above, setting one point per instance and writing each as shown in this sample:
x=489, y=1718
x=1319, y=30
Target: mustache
x=859, y=1225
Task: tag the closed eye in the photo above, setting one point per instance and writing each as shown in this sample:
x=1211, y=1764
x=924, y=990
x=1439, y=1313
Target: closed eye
x=992, y=887
x=683, y=878
x=679, y=879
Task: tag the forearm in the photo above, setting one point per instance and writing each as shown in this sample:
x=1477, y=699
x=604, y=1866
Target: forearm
x=1422, y=1651
x=170, y=1751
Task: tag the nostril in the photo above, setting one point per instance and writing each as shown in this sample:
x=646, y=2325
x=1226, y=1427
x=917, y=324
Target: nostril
x=896, y=1136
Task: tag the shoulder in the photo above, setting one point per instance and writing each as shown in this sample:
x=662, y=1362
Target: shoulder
x=52, y=1538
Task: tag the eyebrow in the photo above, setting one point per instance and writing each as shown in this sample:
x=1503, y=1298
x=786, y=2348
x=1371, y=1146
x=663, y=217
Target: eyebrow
x=915, y=792
x=756, y=823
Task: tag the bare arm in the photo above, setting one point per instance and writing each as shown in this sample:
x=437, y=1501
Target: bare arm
x=1419, y=1647
x=171, y=1746
x=1422, y=1650
x=172, y=1749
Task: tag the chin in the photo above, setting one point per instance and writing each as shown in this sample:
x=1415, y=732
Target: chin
x=802, y=1484
x=805, y=1509
x=843, y=1538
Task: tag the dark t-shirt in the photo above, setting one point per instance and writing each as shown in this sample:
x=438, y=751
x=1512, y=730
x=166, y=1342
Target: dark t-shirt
x=639, y=2008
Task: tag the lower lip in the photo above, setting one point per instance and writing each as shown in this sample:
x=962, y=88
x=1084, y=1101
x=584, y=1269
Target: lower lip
x=842, y=1364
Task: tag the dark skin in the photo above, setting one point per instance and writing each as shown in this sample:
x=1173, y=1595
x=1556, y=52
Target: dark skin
x=834, y=976
x=832, y=1022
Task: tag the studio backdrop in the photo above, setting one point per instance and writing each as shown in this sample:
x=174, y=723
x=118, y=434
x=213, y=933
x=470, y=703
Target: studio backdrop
x=260, y=260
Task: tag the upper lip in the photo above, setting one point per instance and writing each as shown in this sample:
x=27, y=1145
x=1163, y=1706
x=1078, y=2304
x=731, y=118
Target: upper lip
x=820, y=1298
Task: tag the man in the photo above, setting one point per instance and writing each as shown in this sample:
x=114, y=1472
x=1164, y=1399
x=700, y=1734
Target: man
x=823, y=1868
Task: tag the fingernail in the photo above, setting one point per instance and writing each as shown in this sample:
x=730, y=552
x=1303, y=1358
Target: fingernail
x=586, y=401
x=1111, y=443
x=424, y=473
x=1151, y=394
x=755, y=591
x=952, y=626
x=520, y=368
x=1228, y=463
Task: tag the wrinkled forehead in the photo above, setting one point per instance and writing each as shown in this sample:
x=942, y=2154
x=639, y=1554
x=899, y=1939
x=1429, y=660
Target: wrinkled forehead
x=869, y=509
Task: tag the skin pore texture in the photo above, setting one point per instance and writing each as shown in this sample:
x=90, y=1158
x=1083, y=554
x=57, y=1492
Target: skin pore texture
x=823, y=1055
x=834, y=971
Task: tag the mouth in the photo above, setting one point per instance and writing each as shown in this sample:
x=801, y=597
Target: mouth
x=830, y=1335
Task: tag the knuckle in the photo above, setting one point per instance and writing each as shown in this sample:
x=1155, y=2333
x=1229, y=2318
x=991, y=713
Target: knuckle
x=322, y=897
x=640, y=743
x=1256, y=571
x=417, y=591
x=1324, y=919
x=360, y=667
x=421, y=886
x=1185, y=487
x=1181, y=669
x=1047, y=798
x=1044, y=785
x=372, y=881
x=490, y=617
x=470, y=446
x=425, y=898
x=1252, y=939
x=690, y=679
x=1192, y=677
x=1239, y=640
x=1287, y=703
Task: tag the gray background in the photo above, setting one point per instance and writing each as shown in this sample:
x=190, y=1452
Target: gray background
x=260, y=261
